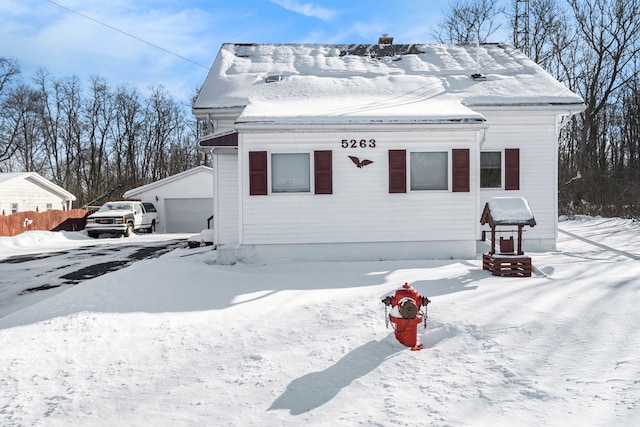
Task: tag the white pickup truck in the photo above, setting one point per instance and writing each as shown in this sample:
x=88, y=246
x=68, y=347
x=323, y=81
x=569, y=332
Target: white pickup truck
x=123, y=218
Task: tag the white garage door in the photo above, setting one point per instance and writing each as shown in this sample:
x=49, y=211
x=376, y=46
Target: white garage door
x=187, y=215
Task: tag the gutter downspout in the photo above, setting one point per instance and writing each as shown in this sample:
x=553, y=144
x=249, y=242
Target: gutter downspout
x=479, y=208
x=214, y=208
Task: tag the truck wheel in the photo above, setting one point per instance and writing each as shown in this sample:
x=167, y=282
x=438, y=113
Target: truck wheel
x=153, y=227
x=129, y=230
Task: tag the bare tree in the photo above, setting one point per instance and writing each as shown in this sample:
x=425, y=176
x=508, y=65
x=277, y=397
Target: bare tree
x=468, y=21
x=551, y=31
x=183, y=153
x=98, y=116
x=127, y=136
x=62, y=128
x=20, y=113
x=50, y=122
x=608, y=41
x=9, y=69
x=163, y=121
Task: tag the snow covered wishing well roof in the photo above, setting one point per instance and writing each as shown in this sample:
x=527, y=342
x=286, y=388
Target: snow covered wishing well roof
x=408, y=83
x=507, y=211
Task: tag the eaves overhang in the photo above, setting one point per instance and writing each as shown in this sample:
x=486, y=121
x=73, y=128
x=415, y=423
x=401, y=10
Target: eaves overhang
x=371, y=125
x=219, y=139
x=217, y=112
x=558, y=108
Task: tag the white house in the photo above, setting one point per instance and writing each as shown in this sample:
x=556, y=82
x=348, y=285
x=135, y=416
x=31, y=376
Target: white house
x=184, y=201
x=382, y=151
x=29, y=191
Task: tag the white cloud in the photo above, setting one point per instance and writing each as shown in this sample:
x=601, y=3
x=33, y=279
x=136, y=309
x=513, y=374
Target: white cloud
x=306, y=9
x=42, y=34
x=126, y=43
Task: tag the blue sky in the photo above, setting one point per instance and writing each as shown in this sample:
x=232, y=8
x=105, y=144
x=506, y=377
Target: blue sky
x=173, y=42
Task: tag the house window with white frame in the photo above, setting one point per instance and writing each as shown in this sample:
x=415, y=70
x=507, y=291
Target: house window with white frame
x=491, y=169
x=49, y=206
x=14, y=208
x=290, y=173
x=429, y=170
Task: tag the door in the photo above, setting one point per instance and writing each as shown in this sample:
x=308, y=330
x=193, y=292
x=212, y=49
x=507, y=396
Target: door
x=187, y=215
x=138, y=217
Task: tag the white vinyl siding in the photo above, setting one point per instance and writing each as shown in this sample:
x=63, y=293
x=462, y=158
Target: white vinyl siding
x=360, y=208
x=226, y=190
x=22, y=195
x=534, y=134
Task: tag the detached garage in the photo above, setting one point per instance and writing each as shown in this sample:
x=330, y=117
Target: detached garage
x=184, y=201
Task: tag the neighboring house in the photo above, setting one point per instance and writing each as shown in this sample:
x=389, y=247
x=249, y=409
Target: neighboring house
x=382, y=151
x=29, y=191
x=184, y=201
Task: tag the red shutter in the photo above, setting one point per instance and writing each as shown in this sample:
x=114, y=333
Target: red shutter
x=460, y=172
x=322, y=166
x=512, y=169
x=258, y=173
x=397, y=171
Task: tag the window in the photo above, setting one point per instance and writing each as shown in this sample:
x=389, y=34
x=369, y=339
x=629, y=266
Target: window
x=290, y=173
x=429, y=171
x=49, y=206
x=149, y=207
x=14, y=208
x=491, y=169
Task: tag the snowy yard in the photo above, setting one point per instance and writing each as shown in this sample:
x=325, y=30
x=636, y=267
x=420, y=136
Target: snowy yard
x=180, y=341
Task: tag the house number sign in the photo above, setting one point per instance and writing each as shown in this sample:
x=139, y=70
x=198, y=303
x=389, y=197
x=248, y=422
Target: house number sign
x=355, y=143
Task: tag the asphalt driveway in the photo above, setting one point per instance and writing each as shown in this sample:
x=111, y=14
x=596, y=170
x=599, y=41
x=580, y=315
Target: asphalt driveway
x=68, y=267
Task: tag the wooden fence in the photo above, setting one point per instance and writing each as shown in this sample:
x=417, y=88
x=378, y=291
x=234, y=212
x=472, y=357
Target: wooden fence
x=53, y=220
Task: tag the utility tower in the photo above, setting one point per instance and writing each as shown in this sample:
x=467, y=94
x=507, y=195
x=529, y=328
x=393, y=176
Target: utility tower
x=521, y=27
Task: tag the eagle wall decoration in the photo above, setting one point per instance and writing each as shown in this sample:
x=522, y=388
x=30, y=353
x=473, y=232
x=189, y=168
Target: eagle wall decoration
x=359, y=163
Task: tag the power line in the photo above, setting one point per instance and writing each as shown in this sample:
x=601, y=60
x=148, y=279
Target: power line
x=125, y=33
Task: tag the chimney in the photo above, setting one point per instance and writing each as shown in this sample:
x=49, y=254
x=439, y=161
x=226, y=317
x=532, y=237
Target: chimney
x=385, y=40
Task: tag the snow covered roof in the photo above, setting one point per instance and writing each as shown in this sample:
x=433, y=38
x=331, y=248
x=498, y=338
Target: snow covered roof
x=134, y=192
x=37, y=179
x=410, y=83
x=507, y=211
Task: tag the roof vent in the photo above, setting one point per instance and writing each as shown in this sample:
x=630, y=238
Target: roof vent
x=274, y=78
x=385, y=39
x=478, y=75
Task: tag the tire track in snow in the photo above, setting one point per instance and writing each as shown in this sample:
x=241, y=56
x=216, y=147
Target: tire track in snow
x=601, y=246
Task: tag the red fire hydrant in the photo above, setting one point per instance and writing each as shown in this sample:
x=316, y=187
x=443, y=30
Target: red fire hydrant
x=406, y=314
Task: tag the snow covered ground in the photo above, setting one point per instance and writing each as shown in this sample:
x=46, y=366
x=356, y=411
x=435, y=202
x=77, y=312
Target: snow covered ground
x=180, y=341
